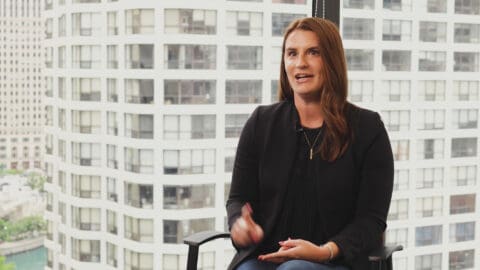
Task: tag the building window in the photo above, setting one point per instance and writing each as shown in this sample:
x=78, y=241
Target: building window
x=139, y=56
x=465, y=118
x=431, y=61
x=396, y=91
x=464, y=147
x=87, y=219
x=177, y=127
x=112, y=161
x=397, y=237
x=62, y=26
x=189, y=161
x=229, y=159
x=461, y=259
x=467, y=33
x=397, y=5
x=463, y=175
x=112, y=253
x=86, y=154
x=139, y=21
x=359, y=60
x=274, y=91
x=234, y=124
x=358, y=28
x=244, y=23
x=428, y=235
x=175, y=230
x=396, y=120
x=86, y=24
x=112, y=94
x=433, y=32
x=401, y=179
x=359, y=4
x=191, y=21
x=48, y=57
x=431, y=90
x=86, y=122
x=360, y=90
x=466, y=90
x=431, y=119
x=180, y=56
x=112, y=56
x=139, y=196
x=86, y=89
x=62, y=86
x=189, y=197
x=429, y=178
x=206, y=260
x=430, y=148
x=139, y=229
x=243, y=91
x=112, y=28
x=461, y=204
x=86, y=250
x=62, y=58
x=135, y=261
x=280, y=21
x=466, y=61
x=244, y=57
x=139, y=91
x=396, y=60
x=463, y=231
x=437, y=6
x=112, y=124
x=428, y=262
x=48, y=28
x=112, y=194
x=398, y=209
x=471, y=7
x=400, y=149
x=189, y=92
x=86, y=186
x=86, y=56
x=429, y=207
x=139, y=160
x=397, y=30
x=139, y=126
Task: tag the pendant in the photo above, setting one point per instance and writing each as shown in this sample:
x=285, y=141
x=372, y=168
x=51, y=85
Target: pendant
x=311, y=153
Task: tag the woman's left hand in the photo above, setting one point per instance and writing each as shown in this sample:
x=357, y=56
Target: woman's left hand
x=296, y=249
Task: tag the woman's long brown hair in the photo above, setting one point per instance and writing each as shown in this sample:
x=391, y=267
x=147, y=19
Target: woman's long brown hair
x=333, y=97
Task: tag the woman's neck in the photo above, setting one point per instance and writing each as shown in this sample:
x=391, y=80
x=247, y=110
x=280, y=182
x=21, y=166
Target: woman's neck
x=310, y=113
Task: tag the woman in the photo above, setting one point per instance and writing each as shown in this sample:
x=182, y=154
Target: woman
x=313, y=174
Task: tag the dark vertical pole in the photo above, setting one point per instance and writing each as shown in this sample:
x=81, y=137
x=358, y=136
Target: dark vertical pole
x=327, y=9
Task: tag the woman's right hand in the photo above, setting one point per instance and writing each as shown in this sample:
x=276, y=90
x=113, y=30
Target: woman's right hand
x=245, y=231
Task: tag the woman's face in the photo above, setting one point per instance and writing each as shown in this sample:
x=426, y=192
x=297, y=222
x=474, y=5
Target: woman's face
x=303, y=63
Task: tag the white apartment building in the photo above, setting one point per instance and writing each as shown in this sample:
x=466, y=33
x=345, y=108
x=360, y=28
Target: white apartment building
x=148, y=99
x=21, y=84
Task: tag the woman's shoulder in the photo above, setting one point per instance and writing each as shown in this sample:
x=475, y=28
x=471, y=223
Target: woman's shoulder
x=364, y=121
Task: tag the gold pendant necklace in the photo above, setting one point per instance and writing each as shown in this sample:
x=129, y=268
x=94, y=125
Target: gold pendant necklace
x=311, y=146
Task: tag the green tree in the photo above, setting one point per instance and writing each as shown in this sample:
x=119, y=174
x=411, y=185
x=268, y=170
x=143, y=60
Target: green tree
x=6, y=266
x=36, y=181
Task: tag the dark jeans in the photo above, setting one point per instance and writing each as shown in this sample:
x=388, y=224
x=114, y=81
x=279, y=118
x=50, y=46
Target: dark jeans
x=254, y=264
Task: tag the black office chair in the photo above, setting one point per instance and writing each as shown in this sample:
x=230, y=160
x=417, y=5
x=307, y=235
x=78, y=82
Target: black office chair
x=381, y=258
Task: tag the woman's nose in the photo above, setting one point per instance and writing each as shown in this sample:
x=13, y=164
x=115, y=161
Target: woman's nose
x=301, y=61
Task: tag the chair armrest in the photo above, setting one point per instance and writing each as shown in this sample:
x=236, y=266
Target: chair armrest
x=199, y=238
x=195, y=240
x=383, y=253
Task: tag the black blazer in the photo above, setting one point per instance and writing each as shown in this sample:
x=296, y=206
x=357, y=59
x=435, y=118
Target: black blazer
x=357, y=186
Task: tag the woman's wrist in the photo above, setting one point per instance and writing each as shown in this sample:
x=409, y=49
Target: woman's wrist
x=331, y=250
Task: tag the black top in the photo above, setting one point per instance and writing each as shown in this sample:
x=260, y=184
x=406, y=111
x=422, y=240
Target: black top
x=300, y=217
x=350, y=201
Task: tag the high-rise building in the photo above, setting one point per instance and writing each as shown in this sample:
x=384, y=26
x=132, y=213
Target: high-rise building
x=417, y=63
x=21, y=84
x=148, y=99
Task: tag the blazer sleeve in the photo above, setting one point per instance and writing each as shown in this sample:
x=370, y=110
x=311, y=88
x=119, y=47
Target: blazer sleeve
x=374, y=194
x=244, y=186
